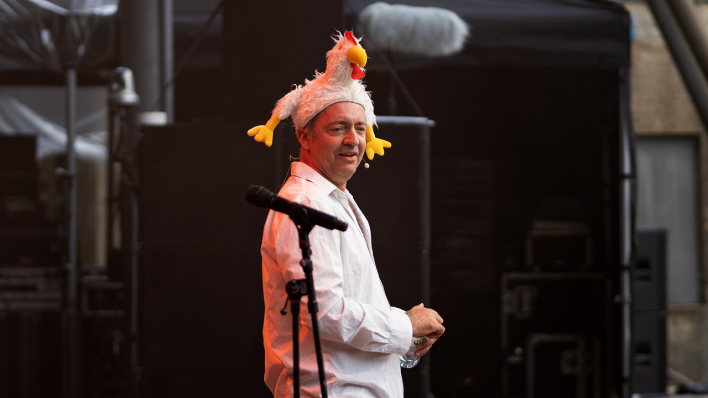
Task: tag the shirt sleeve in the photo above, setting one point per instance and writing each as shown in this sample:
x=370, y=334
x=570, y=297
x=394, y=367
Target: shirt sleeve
x=362, y=326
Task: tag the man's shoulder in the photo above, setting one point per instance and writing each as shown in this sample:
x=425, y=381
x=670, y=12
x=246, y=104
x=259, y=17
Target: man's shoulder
x=302, y=190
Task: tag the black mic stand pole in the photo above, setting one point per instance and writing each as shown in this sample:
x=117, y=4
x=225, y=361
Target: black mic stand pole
x=295, y=291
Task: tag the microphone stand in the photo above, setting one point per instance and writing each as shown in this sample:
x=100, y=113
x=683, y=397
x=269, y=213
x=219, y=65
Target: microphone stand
x=295, y=290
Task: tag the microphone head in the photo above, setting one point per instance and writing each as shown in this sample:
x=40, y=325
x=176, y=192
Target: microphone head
x=426, y=31
x=259, y=196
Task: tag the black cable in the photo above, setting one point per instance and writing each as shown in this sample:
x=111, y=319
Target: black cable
x=397, y=79
x=390, y=68
x=188, y=55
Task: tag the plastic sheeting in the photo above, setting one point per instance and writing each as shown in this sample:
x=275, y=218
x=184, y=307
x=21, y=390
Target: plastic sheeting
x=504, y=32
x=18, y=119
x=55, y=34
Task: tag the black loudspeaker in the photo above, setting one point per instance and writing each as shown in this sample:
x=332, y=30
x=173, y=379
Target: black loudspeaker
x=5, y=365
x=17, y=153
x=649, y=312
x=649, y=273
x=269, y=45
x=201, y=299
x=201, y=292
x=30, y=354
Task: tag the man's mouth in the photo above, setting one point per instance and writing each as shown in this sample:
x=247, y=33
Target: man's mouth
x=348, y=154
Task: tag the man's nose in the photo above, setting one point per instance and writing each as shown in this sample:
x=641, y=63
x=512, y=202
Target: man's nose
x=352, y=138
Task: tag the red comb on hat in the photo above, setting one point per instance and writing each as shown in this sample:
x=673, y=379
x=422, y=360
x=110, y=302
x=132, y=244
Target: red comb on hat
x=350, y=36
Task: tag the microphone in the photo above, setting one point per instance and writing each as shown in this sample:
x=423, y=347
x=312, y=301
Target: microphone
x=261, y=197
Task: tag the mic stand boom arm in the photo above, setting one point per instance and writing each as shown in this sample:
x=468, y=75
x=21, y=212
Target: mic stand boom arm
x=304, y=226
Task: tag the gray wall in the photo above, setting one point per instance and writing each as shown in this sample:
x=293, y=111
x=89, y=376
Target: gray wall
x=667, y=194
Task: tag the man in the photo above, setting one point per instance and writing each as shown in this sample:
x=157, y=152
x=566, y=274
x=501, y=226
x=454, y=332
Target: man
x=362, y=335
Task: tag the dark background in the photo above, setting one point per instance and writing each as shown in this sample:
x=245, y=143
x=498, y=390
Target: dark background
x=506, y=140
x=513, y=133
x=526, y=115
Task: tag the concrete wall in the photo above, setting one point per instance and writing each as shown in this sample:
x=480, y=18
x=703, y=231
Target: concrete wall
x=662, y=107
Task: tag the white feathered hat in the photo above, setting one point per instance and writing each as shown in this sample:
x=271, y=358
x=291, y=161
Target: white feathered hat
x=341, y=82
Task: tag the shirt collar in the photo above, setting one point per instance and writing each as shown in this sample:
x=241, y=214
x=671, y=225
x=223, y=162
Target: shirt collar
x=303, y=170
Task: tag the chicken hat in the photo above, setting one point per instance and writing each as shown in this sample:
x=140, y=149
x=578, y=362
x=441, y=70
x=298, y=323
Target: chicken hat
x=341, y=82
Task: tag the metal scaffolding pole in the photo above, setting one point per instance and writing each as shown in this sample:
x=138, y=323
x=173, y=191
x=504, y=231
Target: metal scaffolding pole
x=168, y=101
x=71, y=176
x=686, y=15
x=685, y=59
x=71, y=315
x=627, y=217
x=140, y=47
x=140, y=38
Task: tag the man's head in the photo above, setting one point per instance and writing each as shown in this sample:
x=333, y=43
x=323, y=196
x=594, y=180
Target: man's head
x=333, y=143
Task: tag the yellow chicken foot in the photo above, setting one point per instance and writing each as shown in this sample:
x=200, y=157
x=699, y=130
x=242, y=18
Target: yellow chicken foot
x=374, y=145
x=265, y=133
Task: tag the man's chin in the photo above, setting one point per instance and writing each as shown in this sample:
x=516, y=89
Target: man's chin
x=348, y=164
x=346, y=172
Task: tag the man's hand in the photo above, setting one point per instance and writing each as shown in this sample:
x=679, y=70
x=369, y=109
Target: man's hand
x=426, y=322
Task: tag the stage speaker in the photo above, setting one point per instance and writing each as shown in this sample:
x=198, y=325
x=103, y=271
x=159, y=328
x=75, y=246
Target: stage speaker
x=201, y=298
x=649, y=273
x=201, y=292
x=18, y=153
x=5, y=365
x=649, y=312
x=30, y=354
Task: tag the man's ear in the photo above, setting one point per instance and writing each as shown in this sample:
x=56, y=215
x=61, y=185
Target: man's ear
x=304, y=137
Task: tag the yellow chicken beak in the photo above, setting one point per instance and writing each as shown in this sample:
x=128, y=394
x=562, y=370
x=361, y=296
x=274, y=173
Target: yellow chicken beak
x=357, y=55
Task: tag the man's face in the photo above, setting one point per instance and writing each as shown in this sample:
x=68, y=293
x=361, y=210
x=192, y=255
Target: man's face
x=335, y=143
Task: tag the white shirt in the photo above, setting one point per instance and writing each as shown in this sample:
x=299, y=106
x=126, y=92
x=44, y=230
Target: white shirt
x=362, y=335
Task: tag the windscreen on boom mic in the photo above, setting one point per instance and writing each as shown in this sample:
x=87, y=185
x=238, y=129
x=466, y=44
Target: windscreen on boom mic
x=261, y=197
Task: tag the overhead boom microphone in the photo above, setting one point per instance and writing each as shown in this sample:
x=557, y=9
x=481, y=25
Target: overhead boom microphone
x=261, y=197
